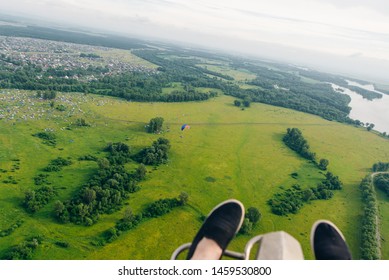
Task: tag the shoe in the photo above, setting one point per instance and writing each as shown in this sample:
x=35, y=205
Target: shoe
x=221, y=225
x=328, y=242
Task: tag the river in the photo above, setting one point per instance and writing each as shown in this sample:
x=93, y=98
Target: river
x=375, y=111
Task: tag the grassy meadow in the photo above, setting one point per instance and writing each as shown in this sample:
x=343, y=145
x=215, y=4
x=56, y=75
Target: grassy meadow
x=226, y=153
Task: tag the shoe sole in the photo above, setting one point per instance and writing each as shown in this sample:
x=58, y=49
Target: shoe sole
x=314, y=226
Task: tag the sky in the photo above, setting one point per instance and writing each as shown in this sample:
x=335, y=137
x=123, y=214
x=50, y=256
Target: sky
x=340, y=36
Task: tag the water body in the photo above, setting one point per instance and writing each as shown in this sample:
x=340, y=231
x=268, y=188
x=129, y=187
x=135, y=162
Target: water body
x=375, y=111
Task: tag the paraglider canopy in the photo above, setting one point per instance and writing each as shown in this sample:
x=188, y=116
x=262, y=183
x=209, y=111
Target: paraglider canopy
x=185, y=126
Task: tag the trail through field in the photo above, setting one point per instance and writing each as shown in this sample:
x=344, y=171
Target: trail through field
x=232, y=123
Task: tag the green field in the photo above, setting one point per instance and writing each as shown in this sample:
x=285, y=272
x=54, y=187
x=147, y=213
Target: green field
x=227, y=153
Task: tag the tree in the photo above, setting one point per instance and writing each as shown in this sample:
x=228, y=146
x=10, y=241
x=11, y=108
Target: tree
x=155, y=125
x=323, y=164
x=128, y=215
x=140, y=172
x=88, y=195
x=253, y=215
x=370, y=126
x=308, y=195
x=247, y=226
x=183, y=198
x=47, y=95
x=103, y=163
x=246, y=102
x=237, y=103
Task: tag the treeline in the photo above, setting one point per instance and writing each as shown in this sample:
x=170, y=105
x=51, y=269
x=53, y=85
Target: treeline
x=370, y=249
x=130, y=221
x=292, y=199
x=294, y=139
x=11, y=229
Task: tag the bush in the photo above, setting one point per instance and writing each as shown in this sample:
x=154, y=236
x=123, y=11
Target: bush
x=253, y=215
x=48, y=137
x=62, y=244
x=155, y=125
x=56, y=164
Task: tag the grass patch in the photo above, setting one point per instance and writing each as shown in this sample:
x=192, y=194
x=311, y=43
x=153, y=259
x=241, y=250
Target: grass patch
x=242, y=149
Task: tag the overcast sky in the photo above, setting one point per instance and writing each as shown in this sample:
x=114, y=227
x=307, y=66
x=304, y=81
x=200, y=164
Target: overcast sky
x=344, y=36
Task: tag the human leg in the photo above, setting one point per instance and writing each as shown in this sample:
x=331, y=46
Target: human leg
x=218, y=229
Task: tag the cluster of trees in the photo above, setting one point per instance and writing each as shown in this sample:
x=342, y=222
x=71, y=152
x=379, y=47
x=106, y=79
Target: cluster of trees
x=24, y=250
x=294, y=139
x=56, y=164
x=251, y=218
x=102, y=194
x=161, y=207
x=106, y=190
x=130, y=221
x=48, y=137
x=41, y=179
x=246, y=103
x=369, y=243
x=36, y=199
x=380, y=166
x=155, y=154
x=292, y=199
x=118, y=153
x=381, y=181
x=155, y=125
